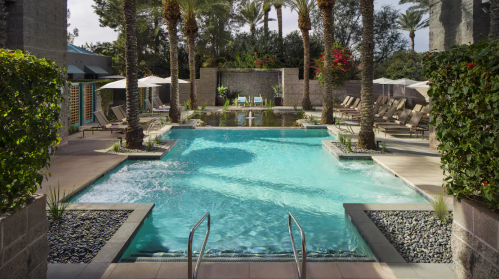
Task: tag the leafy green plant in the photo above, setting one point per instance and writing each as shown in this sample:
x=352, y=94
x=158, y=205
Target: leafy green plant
x=56, y=204
x=73, y=130
x=187, y=105
x=301, y=114
x=222, y=91
x=383, y=146
x=277, y=88
x=234, y=102
x=203, y=107
x=30, y=114
x=116, y=147
x=295, y=107
x=349, y=144
x=342, y=139
x=149, y=145
x=440, y=207
x=226, y=105
x=464, y=87
x=314, y=120
x=343, y=65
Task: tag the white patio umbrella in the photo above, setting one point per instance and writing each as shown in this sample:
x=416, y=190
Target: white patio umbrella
x=383, y=81
x=155, y=80
x=121, y=84
x=169, y=79
x=405, y=82
x=423, y=84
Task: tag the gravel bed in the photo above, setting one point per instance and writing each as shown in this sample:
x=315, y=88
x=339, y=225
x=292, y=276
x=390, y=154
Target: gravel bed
x=417, y=235
x=357, y=149
x=155, y=148
x=80, y=234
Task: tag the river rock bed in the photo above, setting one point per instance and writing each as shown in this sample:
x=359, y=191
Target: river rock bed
x=357, y=149
x=417, y=235
x=80, y=234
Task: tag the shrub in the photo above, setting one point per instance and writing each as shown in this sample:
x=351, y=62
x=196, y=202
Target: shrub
x=29, y=108
x=402, y=65
x=250, y=60
x=465, y=112
x=222, y=91
x=56, y=203
x=440, y=207
x=343, y=66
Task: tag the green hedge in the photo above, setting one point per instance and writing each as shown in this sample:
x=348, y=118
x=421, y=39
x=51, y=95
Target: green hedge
x=30, y=91
x=465, y=110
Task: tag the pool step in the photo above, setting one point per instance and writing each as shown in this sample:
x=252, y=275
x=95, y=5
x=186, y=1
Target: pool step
x=245, y=259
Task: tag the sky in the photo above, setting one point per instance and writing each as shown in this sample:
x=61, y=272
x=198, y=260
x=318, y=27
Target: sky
x=87, y=22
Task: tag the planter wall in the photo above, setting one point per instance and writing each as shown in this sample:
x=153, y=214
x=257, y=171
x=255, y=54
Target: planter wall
x=475, y=241
x=24, y=248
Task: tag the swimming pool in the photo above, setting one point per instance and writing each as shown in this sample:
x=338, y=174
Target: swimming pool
x=249, y=180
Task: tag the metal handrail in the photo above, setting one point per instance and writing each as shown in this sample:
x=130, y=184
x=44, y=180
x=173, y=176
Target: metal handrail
x=190, y=274
x=302, y=272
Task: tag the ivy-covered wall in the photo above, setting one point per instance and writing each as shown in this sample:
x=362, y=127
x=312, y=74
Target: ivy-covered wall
x=465, y=109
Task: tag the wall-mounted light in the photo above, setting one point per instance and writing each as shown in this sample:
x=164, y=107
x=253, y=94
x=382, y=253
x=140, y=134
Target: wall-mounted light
x=485, y=6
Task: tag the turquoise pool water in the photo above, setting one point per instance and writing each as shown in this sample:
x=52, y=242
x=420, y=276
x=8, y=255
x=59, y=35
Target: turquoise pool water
x=249, y=180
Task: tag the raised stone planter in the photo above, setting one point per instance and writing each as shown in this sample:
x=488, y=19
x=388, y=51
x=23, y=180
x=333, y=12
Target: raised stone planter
x=475, y=241
x=24, y=248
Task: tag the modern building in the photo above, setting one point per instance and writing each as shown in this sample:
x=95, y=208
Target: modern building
x=84, y=64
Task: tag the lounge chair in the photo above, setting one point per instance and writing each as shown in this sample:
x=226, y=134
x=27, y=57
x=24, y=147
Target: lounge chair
x=356, y=114
x=120, y=114
x=352, y=108
x=385, y=99
x=411, y=126
x=158, y=102
x=258, y=100
x=417, y=107
x=347, y=104
x=104, y=124
x=241, y=100
x=386, y=117
x=400, y=121
x=344, y=103
x=382, y=111
x=378, y=99
x=152, y=109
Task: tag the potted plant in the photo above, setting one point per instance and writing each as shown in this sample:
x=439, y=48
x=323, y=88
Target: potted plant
x=221, y=95
x=277, y=95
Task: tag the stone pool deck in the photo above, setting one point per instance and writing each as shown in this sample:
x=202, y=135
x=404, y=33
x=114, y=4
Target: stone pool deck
x=79, y=164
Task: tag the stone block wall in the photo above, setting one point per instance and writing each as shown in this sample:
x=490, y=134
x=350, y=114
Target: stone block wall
x=293, y=90
x=206, y=87
x=456, y=22
x=39, y=26
x=475, y=241
x=24, y=248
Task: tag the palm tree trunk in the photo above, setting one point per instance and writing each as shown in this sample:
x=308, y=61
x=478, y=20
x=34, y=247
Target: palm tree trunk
x=3, y=24
x=326, y=7
x=266, y=22
x=252, y=29
x=192, y=68
x=412, y=35
x=494, y=18
x=134, y=133
x=366, y=134
x=306, y=70
x=172, y=15
x=279, y=20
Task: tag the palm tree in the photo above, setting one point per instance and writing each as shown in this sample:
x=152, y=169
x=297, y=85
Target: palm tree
x=420, y=6
x=172, y=16
x=366, y=134
x=252, y=14
x=278, y=4
x=134, y=133
x=326, y=7
x=304, y=7
x=412, y=22
x=3, y=23
x=266, y=9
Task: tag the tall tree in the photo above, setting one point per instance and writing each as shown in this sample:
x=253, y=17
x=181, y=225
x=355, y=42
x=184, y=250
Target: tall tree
x=252, y=14
x=412, y=22
x=278, y=4
x=303, y=7
x=134, y=133
x=420, y=6
x=366, y=134
x=494, y=18
x=266, y=10
x=71, y=36
x=172, y=16
x=326, y=7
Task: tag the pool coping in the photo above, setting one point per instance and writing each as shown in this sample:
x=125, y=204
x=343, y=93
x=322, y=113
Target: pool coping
x=383, y=250
x=116, y=245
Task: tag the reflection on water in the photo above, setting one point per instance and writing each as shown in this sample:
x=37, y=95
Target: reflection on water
x=241, y=118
